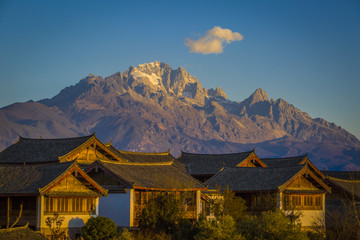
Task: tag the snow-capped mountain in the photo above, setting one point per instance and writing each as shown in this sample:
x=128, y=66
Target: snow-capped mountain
x=153, y=107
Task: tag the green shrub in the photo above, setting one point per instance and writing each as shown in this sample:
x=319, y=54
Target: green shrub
x=223, y=228
x=185, y=230
x=228, y=204
x=273, y=225
x=99, y=228
x=161, y=214
x=125, y=235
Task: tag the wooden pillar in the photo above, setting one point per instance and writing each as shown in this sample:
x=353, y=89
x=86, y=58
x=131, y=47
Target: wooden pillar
x=132, y=209
x=280, y=203
x=39, y=211
x=97, y=206
x=198, y=203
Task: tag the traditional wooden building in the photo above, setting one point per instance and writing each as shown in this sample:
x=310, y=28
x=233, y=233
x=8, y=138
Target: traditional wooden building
x=132, y=184
x=204, y=166
x=142, y=157
x=343, y=203
x=84, y=150
x=289, y=188
x=36, y=192
x=293, y=162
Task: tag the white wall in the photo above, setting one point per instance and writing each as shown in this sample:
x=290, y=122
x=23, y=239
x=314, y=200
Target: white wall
x=116, y=206
x=310, y=217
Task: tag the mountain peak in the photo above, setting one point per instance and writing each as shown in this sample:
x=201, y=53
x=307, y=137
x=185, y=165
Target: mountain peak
x=153, y=107
x=149, y=65
x=155, y=66
x=258, y=96
x=218, y=92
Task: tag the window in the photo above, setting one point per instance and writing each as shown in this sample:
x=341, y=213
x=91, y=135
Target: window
x=296, y=200
x=77, y=205
x=69, y=205
x=308, y=200
x=305, y=202
x=62, y=204
x=90, y=204
x=49, y=204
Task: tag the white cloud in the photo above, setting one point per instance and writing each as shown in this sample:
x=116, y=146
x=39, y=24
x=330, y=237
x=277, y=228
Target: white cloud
x=213, y=41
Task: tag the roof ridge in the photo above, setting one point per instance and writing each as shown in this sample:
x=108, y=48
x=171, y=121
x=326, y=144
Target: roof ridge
x=139, y=163
x=217, y=153
x=37, y=164
x=326, y=171
x=282, y=158
x=88, y=136
x=344, y=180
x=297, y=166
x=144, y=153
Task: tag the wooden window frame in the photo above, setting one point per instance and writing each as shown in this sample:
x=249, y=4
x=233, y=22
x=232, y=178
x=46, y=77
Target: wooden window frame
x=303, y=201
x=69, y=205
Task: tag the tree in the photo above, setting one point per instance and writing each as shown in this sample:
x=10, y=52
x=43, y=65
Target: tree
x=228, y=204
x=125, y=235
x=274, y=225
x=161, y=213
x=222, y=228
x=99, y=228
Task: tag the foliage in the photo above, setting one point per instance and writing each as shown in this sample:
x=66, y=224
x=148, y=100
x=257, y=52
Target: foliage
x=274, y=225
x=99, y=228
x=228, y=204
x=150, y=235
x=161, y=214
x=222, y=228
x=54, y=223
x=315, y=235
x=186, y=229
x=343, y=223
x=125, y=235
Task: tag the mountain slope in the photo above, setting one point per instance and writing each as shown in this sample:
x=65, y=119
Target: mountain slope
x=153, y=107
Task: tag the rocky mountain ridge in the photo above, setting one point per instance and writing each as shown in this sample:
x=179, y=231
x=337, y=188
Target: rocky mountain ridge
x=152, y=107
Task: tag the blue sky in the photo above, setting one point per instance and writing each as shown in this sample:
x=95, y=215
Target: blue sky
x=306, y=52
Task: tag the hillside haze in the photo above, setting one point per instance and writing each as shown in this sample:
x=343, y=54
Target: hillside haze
x=153, y=107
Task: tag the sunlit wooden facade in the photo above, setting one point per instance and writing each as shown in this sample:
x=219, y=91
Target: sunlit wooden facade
x=84, y=150
x=132, y=185
x=36, y=192
x=291, y=184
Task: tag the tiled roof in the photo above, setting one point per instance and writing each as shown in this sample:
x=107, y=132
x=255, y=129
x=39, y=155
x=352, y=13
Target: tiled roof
x=40, y=150
x=35, y=179
x=162, y=175
x=350, y=175
x=20, y=233
x=142, y=157
x=284, y=162
x=207, y=164
x=19, y=179
x=351, y=187
x=252, y=179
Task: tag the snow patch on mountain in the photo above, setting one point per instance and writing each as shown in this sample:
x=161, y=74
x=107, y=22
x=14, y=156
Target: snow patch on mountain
x=153, y=78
